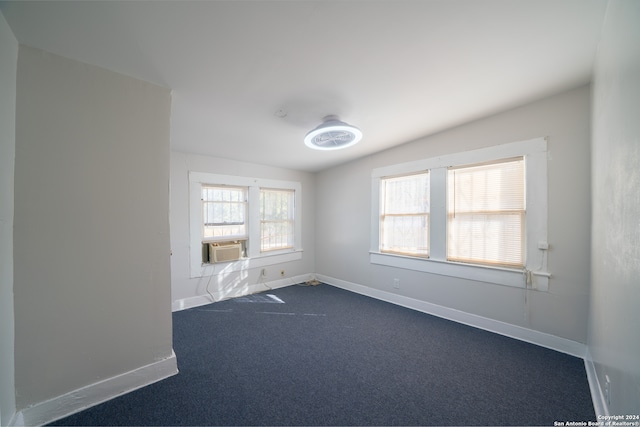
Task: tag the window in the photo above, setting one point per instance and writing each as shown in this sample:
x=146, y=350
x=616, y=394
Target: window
x=264, y=216
x=404, y=216
x=486, y=213
x=276, y=219
x=224, y=211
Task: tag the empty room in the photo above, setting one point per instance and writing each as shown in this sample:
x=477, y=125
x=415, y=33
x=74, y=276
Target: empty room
x=320, y=212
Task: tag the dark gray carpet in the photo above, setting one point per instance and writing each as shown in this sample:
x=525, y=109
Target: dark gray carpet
x=331, y=357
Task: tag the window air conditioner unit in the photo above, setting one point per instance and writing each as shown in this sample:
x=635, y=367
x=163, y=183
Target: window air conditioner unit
x=224, y=252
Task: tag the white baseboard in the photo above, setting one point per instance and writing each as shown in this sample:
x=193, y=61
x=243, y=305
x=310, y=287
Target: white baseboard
x=16, y=420
x=528, y=335
x=94, y=394
x=597, y=395
x=199, y=300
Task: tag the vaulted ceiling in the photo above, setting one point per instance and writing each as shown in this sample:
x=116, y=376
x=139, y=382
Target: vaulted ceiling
x=250, y=78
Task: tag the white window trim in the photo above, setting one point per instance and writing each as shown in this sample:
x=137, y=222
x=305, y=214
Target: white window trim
x=254, y=258
x=534, y=274
x=262, y=220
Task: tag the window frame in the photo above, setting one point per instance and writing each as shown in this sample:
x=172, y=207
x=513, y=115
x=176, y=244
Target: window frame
x=245, y=203
x=254, y=258
x=384, y=214
x=534, y=273
x=453, y=212
x=290, y=220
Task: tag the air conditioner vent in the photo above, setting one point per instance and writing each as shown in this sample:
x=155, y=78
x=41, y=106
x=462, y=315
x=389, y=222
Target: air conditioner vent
x=224, y=252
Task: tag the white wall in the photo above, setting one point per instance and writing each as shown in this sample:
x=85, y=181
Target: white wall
x=91, y=253
x=614, y=340
x=343, y=219
x=8, y=68
x=187, y=291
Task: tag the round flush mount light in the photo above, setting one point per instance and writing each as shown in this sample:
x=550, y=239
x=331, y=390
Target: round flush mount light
x=332, y=134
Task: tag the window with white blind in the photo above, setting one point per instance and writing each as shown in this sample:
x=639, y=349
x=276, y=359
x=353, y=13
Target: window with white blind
x=224, y=212
x=277, y=209
x=486, y=213
x=404, y=216
x=482, y=215
x=264, y=216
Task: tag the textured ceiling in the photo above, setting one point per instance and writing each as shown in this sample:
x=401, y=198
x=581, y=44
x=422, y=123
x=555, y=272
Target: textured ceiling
x=250, y=78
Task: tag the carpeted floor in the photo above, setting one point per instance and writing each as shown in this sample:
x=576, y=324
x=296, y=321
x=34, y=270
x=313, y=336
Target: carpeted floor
x=324, y=356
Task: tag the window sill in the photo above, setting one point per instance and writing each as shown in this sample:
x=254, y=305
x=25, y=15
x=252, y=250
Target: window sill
x=481, y=273
x=242, y=264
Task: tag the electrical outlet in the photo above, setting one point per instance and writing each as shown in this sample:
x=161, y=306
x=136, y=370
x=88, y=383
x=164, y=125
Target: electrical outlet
x=396, y=283
x=281, y=273
x=607, y=390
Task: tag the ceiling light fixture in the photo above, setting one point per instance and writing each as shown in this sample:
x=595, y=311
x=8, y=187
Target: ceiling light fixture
x=332, y=134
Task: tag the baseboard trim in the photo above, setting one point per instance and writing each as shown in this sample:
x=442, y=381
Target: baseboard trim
x=102, y=391
x=16, y=420
x=200, y=300
x=597, y=395
x=96, y=393
x=542, y=339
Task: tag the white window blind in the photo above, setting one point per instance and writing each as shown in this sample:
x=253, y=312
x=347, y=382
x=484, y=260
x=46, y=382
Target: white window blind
x=486, y=213
x=404, y=219
x=224, y=211
x=276, y=219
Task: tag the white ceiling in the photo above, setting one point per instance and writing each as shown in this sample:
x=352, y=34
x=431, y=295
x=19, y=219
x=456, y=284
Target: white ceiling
x=397, y=69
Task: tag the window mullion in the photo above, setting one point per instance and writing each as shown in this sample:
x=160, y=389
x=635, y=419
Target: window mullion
x=253, y=218
x=438, y=217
